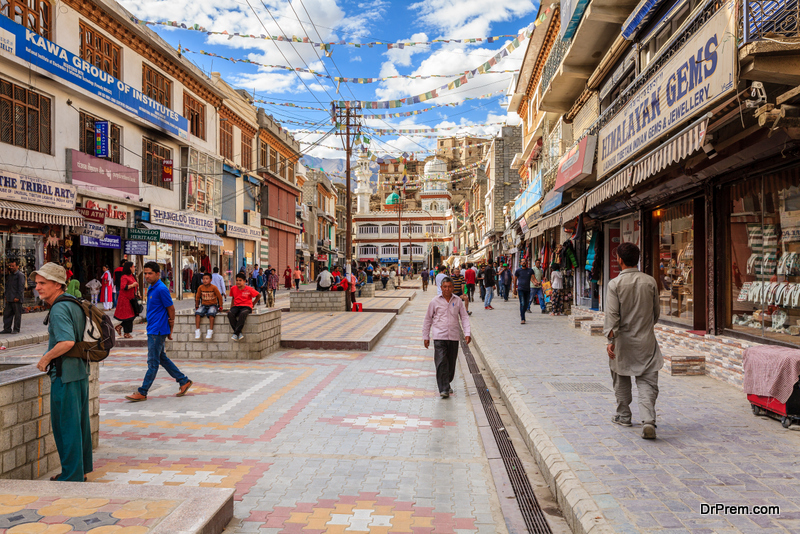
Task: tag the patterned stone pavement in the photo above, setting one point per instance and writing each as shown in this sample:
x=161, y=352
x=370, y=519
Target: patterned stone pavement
x=311, y=441
x=334, y=330
x=710, y=448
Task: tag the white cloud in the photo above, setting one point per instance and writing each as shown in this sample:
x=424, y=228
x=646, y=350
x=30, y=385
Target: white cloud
x=356, y=59
x=402, y=56
x=470, y=18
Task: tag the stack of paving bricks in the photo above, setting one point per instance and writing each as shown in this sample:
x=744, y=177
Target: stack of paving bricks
x=317, y=301
x=27, y=448
x=592, y=328
x=577, y=318
x=367, y=291
x=262, y=336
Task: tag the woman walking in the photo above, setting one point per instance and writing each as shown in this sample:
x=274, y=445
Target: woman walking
x=127, y=291
x=287, y=278
x=557, y=281
x=107, y=293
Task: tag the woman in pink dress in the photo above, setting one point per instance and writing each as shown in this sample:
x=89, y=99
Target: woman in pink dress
x=107, y=292
x=127, y=290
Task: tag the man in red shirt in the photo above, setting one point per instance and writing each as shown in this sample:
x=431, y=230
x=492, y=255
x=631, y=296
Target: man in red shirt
x=470, y=279
x=244, y=298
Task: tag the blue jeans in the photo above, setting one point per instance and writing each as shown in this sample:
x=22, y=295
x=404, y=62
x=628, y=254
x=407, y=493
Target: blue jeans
x=538, y=291
x=114, y=296
x=524, y=300
x=489, y=295
x=369, y=278
x=157, y=356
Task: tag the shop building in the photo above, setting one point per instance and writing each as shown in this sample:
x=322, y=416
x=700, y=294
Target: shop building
x=320, y=196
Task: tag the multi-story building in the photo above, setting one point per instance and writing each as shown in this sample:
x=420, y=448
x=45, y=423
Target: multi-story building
x=320, y=195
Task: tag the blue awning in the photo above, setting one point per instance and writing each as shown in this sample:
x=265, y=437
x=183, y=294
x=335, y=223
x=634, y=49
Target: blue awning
x=641, y=15
x=571, y=15
x=231, y=170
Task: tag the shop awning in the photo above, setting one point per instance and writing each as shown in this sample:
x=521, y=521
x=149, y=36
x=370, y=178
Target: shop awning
x=679, y=147
x=39, y=214
x=172, y=234
x=209, y=239
x=550, y=221
x=574, y=209
x=609, y=188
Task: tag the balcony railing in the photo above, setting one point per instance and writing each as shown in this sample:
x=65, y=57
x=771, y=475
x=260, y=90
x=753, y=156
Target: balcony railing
x=554, y=60
x=774, y=19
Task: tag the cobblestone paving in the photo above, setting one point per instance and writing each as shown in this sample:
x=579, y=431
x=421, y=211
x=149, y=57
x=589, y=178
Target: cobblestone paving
x=311, y=441
x=710, y=448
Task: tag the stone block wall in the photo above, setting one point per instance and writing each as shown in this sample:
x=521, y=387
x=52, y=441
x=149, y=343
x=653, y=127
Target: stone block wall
x=27, y=448
x=368, y=291
x=262, y=336
x=317, y=301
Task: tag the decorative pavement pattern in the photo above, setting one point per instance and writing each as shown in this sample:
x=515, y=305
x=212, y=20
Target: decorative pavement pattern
x=333, y=330
x=311, y=441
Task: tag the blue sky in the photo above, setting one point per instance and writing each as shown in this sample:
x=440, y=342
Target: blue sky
x=354, y=21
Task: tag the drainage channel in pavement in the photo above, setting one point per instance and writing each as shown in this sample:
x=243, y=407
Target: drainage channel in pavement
x=511, y=470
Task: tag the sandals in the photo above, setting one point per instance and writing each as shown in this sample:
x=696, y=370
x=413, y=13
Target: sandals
x=127, y=336
x=54, y=478
x=118, y=328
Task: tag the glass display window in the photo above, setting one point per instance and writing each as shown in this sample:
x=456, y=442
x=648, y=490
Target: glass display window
x=673, y=261
x=28, y=251
x=763, y=290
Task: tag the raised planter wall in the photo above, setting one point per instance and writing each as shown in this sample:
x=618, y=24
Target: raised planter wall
x=316, y=301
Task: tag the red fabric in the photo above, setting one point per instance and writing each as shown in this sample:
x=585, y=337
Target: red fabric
x=124, y=309
x=469, y=276
x=107, y=292
x=243, y=297
x=771, y=371
x=287, y=278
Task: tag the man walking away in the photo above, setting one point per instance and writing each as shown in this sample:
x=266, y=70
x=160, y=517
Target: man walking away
x=488, y=283
x=207, y=302
x=160, y=322
x=442, y=324
x=536, y=287
x=197, y=279
x=243, y=298
x=506, y=278
x=15, y=288
x=522, y=287
x=69, y=377
x=324, y=280
x=272, y=287
x=425, y=276
x=297, y=276
x=470, y=278
x=218, y=282
x=480, y=282
x=439, y=278
x=632, y=309
x=458, y=289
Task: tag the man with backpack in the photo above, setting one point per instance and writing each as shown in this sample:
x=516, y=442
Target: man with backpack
x=69, y=376
x=160, y=321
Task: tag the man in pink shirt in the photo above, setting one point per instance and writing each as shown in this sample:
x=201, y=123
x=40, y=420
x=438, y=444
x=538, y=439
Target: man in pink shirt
x=442, y=323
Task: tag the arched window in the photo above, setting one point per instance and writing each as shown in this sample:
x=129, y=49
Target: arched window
x=434, y=206
x=33, y=14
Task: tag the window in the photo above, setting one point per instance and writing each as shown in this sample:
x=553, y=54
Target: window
x=247, y=151
x=389, y=250
x=670, y=20
x=153, y=155
x=368, y=229
x=24, y=118
x=416, y=250
x=202, y=185
x=195, y=113
x=226, y=139
x=263, y=150
x=273, y=160
x=33, y=14
x=368, y=250
x=156, y=86
x=99, y=51
x=291, y=172
x=389, y=229
x=412, y=228
x=87, y=141
x=612, y=96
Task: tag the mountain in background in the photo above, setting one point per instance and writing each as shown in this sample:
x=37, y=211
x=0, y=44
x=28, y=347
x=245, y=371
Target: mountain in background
x=336, y=168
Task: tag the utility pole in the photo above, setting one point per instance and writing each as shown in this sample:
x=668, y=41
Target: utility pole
x=348, y=115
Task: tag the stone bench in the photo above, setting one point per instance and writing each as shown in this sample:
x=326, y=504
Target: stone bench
x=262, y=336
x=592, y=328
x=317, y=301
x=575, y=320
x=368, y=291
x=684, y=363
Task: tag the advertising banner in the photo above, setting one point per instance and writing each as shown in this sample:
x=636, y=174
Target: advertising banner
x=576, y=164
x=95, y=230
x=92, y=215
x=101, y=139
x=529, y=197
x=31, y=47
x=32, y=190
x=187, y=220
x=551, y=201
x=101, y=175
x=697, y=75
x=109, y=241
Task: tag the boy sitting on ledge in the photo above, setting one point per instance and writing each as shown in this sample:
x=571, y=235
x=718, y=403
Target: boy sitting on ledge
x=207, y=301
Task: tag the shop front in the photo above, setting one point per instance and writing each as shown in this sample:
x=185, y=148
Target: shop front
x=246, y=241
x=91, y=252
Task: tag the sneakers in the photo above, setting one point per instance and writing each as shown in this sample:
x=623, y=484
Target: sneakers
x=136, y=397
x=445, y=394
x=184, y=389
x=486, y=307
x=450, y=391
x=209, y=334
x=544, y=311
x=234, y=337
x=522, y=321
x=617, y=420
x=491, y=307
x=241, y=337
x=197, y=333
x=648, y=431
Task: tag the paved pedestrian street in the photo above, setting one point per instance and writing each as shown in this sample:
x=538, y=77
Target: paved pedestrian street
x=710, y=448
x=311, y=441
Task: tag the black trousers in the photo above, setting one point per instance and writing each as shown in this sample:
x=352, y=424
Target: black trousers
x=237, y=317
x=127, y=325
x=445, y=354
x=12, y=312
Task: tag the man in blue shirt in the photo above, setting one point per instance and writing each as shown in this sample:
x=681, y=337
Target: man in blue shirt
x=160, y=320
x=370, y=271
x=522, y=287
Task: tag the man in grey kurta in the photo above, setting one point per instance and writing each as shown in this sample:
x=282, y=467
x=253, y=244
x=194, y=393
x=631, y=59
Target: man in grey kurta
x=632, y=309
x=15, y=288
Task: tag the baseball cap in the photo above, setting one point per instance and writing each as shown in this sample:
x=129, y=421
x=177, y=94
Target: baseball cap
x=53, y=272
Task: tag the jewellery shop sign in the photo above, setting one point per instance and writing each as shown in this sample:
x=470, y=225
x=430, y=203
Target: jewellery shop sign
x=184, y=220
x=699, y=73
x=32, y=190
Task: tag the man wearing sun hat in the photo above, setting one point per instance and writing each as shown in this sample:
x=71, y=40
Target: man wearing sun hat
x=69, y=377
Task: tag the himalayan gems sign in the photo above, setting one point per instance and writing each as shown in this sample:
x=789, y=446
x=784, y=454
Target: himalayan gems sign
x=697, y=74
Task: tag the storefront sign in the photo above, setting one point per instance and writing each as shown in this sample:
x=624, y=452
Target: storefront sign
x=137, y=248
x=102, y=176
x=388, y=260
x=115, y=215
x=630, y=230
x=523, y=225
x=92, y=215
x=101, y=139
x=32, y=190
x=109, y=241
x=698, y=74
x=529, y=197
x=90, y=229
x=551, y=201
x=241, y=231
x=139, y=234
x=187, y=220
x=322, y=257
x=576, y=164
x=47, y=55
x=166, y=170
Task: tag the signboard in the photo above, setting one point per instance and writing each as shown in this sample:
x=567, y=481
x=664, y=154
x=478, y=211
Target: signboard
x=103, y=176
x=114, y=214
x=50, y=57
x=242, y=231
x=630, y=230
x=137, y=248
x=109, y=241
x=322, y=257
x=551, y=201
x=576, y=164
x=529, y=197
x=92, y=215
x=523, y=224
x=166, y=170
x=187, y=220
x=388, y=260
x=138, y=234
x=571, y=15
x=95, y=230
x=101, y=139
x=693, y=78
x=32, y=190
